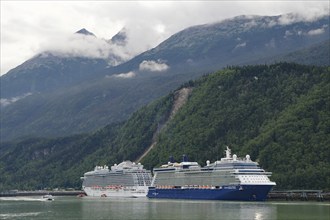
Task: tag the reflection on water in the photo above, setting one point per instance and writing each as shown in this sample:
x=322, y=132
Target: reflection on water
x=22, y=198
x=171, y=209
x=117, y=208
x=305, y=210
x=258, y=211
x=143, y=208
x=18, y=215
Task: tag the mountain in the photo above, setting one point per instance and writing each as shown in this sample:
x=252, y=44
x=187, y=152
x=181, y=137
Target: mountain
x=52, y=71
x=120, y=38
x=85, y=32
x=46, y=73
x=238, y=40
x=316, y=54
x=278, y=114
x=112, y=94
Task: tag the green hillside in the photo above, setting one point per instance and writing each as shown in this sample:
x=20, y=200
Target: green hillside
x=36, y=163
x=279, y=114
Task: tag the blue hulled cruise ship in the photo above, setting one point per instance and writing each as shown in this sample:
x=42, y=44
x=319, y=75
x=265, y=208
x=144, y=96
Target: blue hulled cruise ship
x=231, y=178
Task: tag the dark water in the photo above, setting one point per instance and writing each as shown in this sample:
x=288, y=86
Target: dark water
x=106, y=208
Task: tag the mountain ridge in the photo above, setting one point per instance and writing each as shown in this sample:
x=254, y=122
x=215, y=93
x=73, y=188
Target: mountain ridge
x=112, y=94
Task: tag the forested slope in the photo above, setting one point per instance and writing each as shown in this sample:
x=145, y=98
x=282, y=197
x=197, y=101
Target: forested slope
x=279, y=114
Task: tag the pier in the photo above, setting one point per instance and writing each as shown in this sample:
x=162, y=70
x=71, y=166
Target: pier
x=302, y=195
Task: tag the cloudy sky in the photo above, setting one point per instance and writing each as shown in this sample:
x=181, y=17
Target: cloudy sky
x=30, y=27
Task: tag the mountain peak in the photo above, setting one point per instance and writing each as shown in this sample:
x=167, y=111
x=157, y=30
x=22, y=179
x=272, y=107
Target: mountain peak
x=120, y=38
x=85, y=32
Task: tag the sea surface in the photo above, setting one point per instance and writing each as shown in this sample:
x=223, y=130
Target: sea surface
x=70, y=207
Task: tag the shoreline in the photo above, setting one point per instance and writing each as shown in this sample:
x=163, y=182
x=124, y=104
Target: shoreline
x=297, y=195
x=41, y=193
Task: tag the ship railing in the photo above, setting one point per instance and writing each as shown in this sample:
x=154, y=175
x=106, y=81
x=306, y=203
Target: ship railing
x=234, y=183
x=249, y=172
x=231, y=184
x=198, y=187
x=257, y=172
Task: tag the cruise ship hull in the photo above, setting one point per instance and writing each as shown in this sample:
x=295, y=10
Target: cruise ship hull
x=132, y=192
x=237, y=192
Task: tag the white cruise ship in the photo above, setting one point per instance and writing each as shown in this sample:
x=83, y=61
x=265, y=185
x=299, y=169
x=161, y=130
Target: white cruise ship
x=126, y=179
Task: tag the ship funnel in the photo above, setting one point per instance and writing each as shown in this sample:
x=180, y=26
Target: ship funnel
x=228, y=153
x=184, y=158
x=171, y=159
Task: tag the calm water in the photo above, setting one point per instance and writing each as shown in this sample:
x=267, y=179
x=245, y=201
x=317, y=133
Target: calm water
x=105, y=208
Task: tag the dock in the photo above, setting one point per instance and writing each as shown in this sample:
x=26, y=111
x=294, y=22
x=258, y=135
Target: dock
x=302, y=195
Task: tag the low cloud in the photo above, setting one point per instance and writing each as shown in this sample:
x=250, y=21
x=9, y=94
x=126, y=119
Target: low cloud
x=89, y=46
x=128, y=75
x=240, y=45
x=287, y=19
x=288, y=33
x=6, y=102
x=153, y=66
x=250, y=24
x=316, y=31
x=28, y=25
x=290, y=18
x=313, y=32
